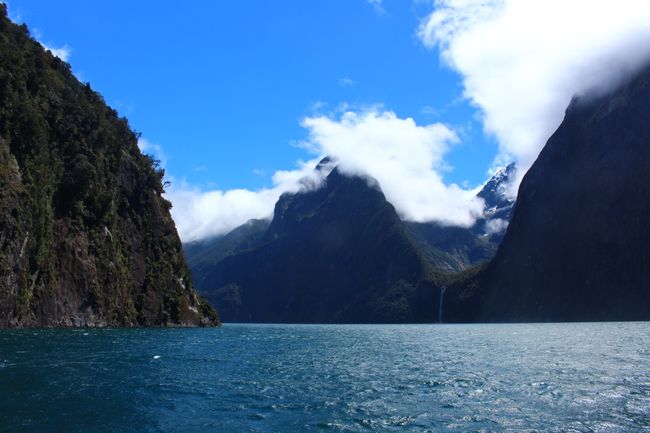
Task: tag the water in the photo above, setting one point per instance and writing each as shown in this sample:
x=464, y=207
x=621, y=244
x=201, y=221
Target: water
x=294, y=378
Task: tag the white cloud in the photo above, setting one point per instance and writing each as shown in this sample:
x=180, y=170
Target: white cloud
x=406, y=159
x=346, y=82
x=496, y=225
x=62, y=53
x=430, y=111
x=377, y=5
x=154, y=150
x=522, y=60
x=202, y=214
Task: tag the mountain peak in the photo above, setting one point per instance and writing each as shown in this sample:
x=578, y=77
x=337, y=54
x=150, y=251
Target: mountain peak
x=326, y=164
x=494, y=192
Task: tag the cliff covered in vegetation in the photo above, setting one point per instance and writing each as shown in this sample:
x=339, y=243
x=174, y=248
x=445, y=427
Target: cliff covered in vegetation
x=86, y=238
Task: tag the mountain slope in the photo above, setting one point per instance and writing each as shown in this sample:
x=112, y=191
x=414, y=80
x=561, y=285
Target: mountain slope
x=451, y=249
x=578, y=246
x=86, y=238
x=203, y=255
x=335, y=254
x=455, y=249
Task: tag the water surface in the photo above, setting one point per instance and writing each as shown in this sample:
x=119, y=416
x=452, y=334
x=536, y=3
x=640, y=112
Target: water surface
x=303, y=378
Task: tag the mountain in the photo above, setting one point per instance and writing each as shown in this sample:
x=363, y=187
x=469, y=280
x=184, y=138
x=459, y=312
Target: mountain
x=338, y=253
x=455, y=249
x=86, y=238
x=203, y=255
x=499, y=205
x=578, y=246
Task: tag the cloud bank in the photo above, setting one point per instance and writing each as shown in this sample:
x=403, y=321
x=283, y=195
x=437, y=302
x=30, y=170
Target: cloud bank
x=522, y=60
x=203, y=214
x=406, y=159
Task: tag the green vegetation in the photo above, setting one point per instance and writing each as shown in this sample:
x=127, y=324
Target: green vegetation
x=86, y=236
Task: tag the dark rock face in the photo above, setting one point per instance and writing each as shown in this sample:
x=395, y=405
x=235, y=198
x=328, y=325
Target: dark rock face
x=578, y=246
x=338, y=254
x=86, y=238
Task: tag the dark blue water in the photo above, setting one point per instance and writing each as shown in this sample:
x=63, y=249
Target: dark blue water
x=292, y=378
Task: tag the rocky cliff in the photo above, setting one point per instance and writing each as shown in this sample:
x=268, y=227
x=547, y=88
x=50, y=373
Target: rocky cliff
x=86, y=238
x=578, y=246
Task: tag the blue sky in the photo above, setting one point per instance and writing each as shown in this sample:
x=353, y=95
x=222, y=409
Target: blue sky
x=426, y=96
x=222, y=86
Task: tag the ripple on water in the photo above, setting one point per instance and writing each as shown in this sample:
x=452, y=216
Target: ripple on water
x=286, y=378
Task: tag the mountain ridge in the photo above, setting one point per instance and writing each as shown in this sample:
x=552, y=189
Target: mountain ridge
x=333, y=282
x=306, y=228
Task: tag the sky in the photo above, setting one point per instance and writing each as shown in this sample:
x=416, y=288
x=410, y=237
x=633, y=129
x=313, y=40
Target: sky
x=240, y=99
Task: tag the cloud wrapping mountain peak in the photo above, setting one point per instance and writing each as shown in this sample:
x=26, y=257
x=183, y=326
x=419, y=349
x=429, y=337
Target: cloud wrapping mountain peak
x=522, y=60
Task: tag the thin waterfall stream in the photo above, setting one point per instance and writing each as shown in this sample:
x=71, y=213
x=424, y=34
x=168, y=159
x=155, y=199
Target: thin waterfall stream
x=442, y=294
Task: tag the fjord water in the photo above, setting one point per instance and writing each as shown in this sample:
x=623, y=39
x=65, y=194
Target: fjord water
x=294, y=378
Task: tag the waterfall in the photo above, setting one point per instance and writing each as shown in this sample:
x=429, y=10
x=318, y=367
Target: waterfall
x=442, y=294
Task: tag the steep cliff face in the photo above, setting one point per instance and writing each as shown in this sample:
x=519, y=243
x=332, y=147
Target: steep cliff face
x=336, y=254
x=86, y=238
x=578, y=246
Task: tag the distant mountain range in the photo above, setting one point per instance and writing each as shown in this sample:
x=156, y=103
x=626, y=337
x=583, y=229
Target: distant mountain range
x=576, y=245
x=340, y=253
